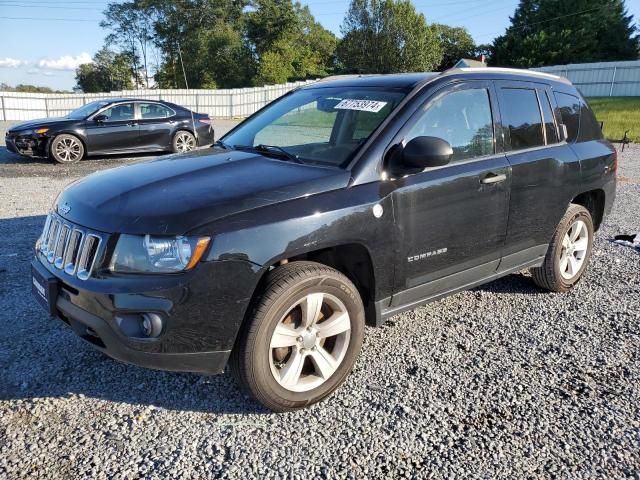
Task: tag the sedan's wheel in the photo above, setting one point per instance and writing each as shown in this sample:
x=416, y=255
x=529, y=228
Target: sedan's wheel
x=569, y=251
x=183, y=141
x=303, y=338
x=67, y=149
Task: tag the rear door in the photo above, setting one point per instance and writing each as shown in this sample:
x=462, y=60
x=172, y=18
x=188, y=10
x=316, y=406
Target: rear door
x=544, y=168
x=119, y=131
x=156, y=125
x=451, y=221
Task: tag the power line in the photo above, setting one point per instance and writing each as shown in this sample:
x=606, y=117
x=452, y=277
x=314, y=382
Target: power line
x=522, y=26
x=51, y=19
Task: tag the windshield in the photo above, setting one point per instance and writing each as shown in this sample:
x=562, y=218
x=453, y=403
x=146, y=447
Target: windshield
x=86, y=110
x=325, y=125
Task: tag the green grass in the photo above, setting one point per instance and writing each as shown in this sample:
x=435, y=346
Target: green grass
x=618, y=114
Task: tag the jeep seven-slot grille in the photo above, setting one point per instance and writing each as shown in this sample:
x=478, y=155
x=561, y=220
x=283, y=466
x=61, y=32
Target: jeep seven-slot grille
x=68, y=247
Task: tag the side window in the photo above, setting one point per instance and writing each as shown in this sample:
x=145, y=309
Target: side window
x=589, y=126
x=117, y=113
x=570, y=113
x=462, y=118
x=154, y=110
x=547, y=112
x=522, y=118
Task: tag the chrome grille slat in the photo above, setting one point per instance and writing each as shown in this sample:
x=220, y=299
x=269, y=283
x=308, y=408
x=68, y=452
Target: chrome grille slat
x=70, y=248
x=63, y=239
x=53, y=240
x=71, y=254
x=88, y=256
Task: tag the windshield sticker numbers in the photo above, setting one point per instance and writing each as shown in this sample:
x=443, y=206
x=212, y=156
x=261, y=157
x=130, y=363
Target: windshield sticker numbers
x=363, y=105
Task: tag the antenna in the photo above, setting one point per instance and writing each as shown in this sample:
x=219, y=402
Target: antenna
x=184, y=72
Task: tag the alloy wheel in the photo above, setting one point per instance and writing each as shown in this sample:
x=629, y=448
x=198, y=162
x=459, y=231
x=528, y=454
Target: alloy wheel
x=68, y=149
x=574, y=249
x=185, y=142
x=310, y=342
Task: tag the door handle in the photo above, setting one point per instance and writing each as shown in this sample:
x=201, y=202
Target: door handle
x=132, y=124
x=493, y=178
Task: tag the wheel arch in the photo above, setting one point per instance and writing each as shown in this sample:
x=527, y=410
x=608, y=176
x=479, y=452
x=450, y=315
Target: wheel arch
x=594, y=201
x=351, y=259
x=82, y=139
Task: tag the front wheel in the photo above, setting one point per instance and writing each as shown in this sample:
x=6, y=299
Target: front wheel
x=303, y=338
x=183, y=141
x=569, y=251
x=67, y=149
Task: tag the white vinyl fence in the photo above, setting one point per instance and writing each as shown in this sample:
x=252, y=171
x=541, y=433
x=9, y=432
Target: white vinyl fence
x=223, y=103
x=606, y=79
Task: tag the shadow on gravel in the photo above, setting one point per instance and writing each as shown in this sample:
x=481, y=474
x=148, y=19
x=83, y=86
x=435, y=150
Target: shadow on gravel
x=42, y=358
x=7, y=157
x=514, y=283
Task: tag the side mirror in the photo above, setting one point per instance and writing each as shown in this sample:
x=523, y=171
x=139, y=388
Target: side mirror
x=426, y=152
x=100, y=118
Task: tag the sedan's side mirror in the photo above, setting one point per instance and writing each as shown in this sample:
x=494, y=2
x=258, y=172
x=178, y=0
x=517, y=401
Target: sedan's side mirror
x=100, y=118
x=426, y=152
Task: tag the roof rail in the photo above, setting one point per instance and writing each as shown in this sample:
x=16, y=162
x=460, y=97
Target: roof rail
x=520, y=71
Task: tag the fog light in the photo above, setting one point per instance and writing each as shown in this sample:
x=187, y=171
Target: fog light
x=151, y=324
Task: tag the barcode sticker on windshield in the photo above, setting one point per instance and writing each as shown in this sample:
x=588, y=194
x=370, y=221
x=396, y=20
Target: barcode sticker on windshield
x=363, y=105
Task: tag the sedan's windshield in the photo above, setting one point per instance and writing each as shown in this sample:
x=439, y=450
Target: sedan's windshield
x=325, y=125
x=86, y=110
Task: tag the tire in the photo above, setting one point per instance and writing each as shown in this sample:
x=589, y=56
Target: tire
x=296, y=372
x=573, y=240
x=66, y=149
x=183, y=141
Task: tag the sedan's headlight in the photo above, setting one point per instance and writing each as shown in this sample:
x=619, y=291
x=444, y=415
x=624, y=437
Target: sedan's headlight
x=155, y=254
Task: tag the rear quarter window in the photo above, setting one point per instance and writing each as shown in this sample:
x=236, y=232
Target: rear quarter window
x=569, y=107
x=589, y=126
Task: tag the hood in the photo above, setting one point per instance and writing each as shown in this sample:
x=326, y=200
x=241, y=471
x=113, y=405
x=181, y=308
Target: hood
x=176, y=194
x=39, y=122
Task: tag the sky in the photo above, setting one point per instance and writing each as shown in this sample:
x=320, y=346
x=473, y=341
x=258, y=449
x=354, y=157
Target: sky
x=43, y=41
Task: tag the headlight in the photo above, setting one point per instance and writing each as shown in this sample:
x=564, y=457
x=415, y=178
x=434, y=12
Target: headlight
x=154, y=254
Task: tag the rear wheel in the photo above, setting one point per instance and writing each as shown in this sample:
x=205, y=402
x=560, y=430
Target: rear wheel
x=569, y=252
x=183, y=141
x=303, y=338
x=67, y=149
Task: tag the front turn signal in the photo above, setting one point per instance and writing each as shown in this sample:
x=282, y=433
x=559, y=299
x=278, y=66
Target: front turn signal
x=41, y=131
x=201, y=246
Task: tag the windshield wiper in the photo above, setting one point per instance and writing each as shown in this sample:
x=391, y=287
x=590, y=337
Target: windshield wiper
x=272, y=149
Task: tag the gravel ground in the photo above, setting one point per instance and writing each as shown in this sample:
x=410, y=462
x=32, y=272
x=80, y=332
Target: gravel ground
x=504, y=381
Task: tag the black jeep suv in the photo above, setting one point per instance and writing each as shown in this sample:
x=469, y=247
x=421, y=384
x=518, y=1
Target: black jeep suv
x=338, y=205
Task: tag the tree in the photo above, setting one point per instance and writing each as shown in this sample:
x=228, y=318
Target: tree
x=132, y=30
x=109, y=71
x=287, y=42
x=552, y=32
x=387, y=36
x=456, y=43
x=209, y=35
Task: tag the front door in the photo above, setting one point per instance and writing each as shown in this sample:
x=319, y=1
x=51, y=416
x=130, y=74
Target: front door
x=451, y=221
x=118, y=131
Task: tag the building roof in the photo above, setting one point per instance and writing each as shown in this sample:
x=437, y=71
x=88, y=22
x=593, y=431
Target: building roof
x=467, y=62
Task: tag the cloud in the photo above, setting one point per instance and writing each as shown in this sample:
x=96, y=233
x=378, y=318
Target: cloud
x=11, y=62
x=38, y=71
x=66, y=62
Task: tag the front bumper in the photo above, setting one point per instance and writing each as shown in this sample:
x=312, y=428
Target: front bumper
x=201, y=310
x=27, y=145
x=100, y=335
